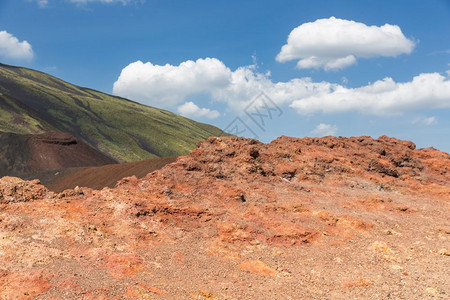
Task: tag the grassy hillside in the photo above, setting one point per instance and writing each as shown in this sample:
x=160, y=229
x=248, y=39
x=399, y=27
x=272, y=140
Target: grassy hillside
x=33, y=102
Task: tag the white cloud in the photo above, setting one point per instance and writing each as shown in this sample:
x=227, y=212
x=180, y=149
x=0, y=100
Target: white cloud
x=384, y=97
x=334, y=44
x=12, y=48
x=425, y=121
x=169, y=86
x=324, y=130
x=190, y=109
x=429, y=121
x=246, y=83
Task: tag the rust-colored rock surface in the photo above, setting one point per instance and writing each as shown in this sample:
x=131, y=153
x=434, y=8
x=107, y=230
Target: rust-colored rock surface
x=13, y=189
x=311, y=218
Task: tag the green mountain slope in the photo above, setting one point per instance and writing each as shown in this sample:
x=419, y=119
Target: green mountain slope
x=34, y=102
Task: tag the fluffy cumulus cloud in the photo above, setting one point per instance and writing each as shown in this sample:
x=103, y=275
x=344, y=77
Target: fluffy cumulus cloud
x=324, y=130
x=13, y=49
x=383, y=97
x=333, y=43
x=190, y=109
x=169, y=86
x=246, y=83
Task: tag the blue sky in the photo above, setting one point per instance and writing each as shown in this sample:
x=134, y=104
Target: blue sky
x=342, y=71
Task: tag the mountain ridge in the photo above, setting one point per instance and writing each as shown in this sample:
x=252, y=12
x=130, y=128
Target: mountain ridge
x=34, y=102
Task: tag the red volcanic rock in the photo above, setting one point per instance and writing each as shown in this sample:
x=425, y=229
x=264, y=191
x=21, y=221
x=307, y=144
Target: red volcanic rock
x=311, y=218
x=14, y=189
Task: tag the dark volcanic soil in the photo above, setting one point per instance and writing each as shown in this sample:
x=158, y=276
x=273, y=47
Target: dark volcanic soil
x=21, y=155
x=328, y=218
x=100, y=177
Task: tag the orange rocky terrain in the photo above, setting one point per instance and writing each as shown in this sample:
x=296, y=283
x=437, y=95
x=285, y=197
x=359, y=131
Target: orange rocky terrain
x=311, y=218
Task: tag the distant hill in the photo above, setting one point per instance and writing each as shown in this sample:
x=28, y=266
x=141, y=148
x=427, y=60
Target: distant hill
x=35, y=102
x=25, y=155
